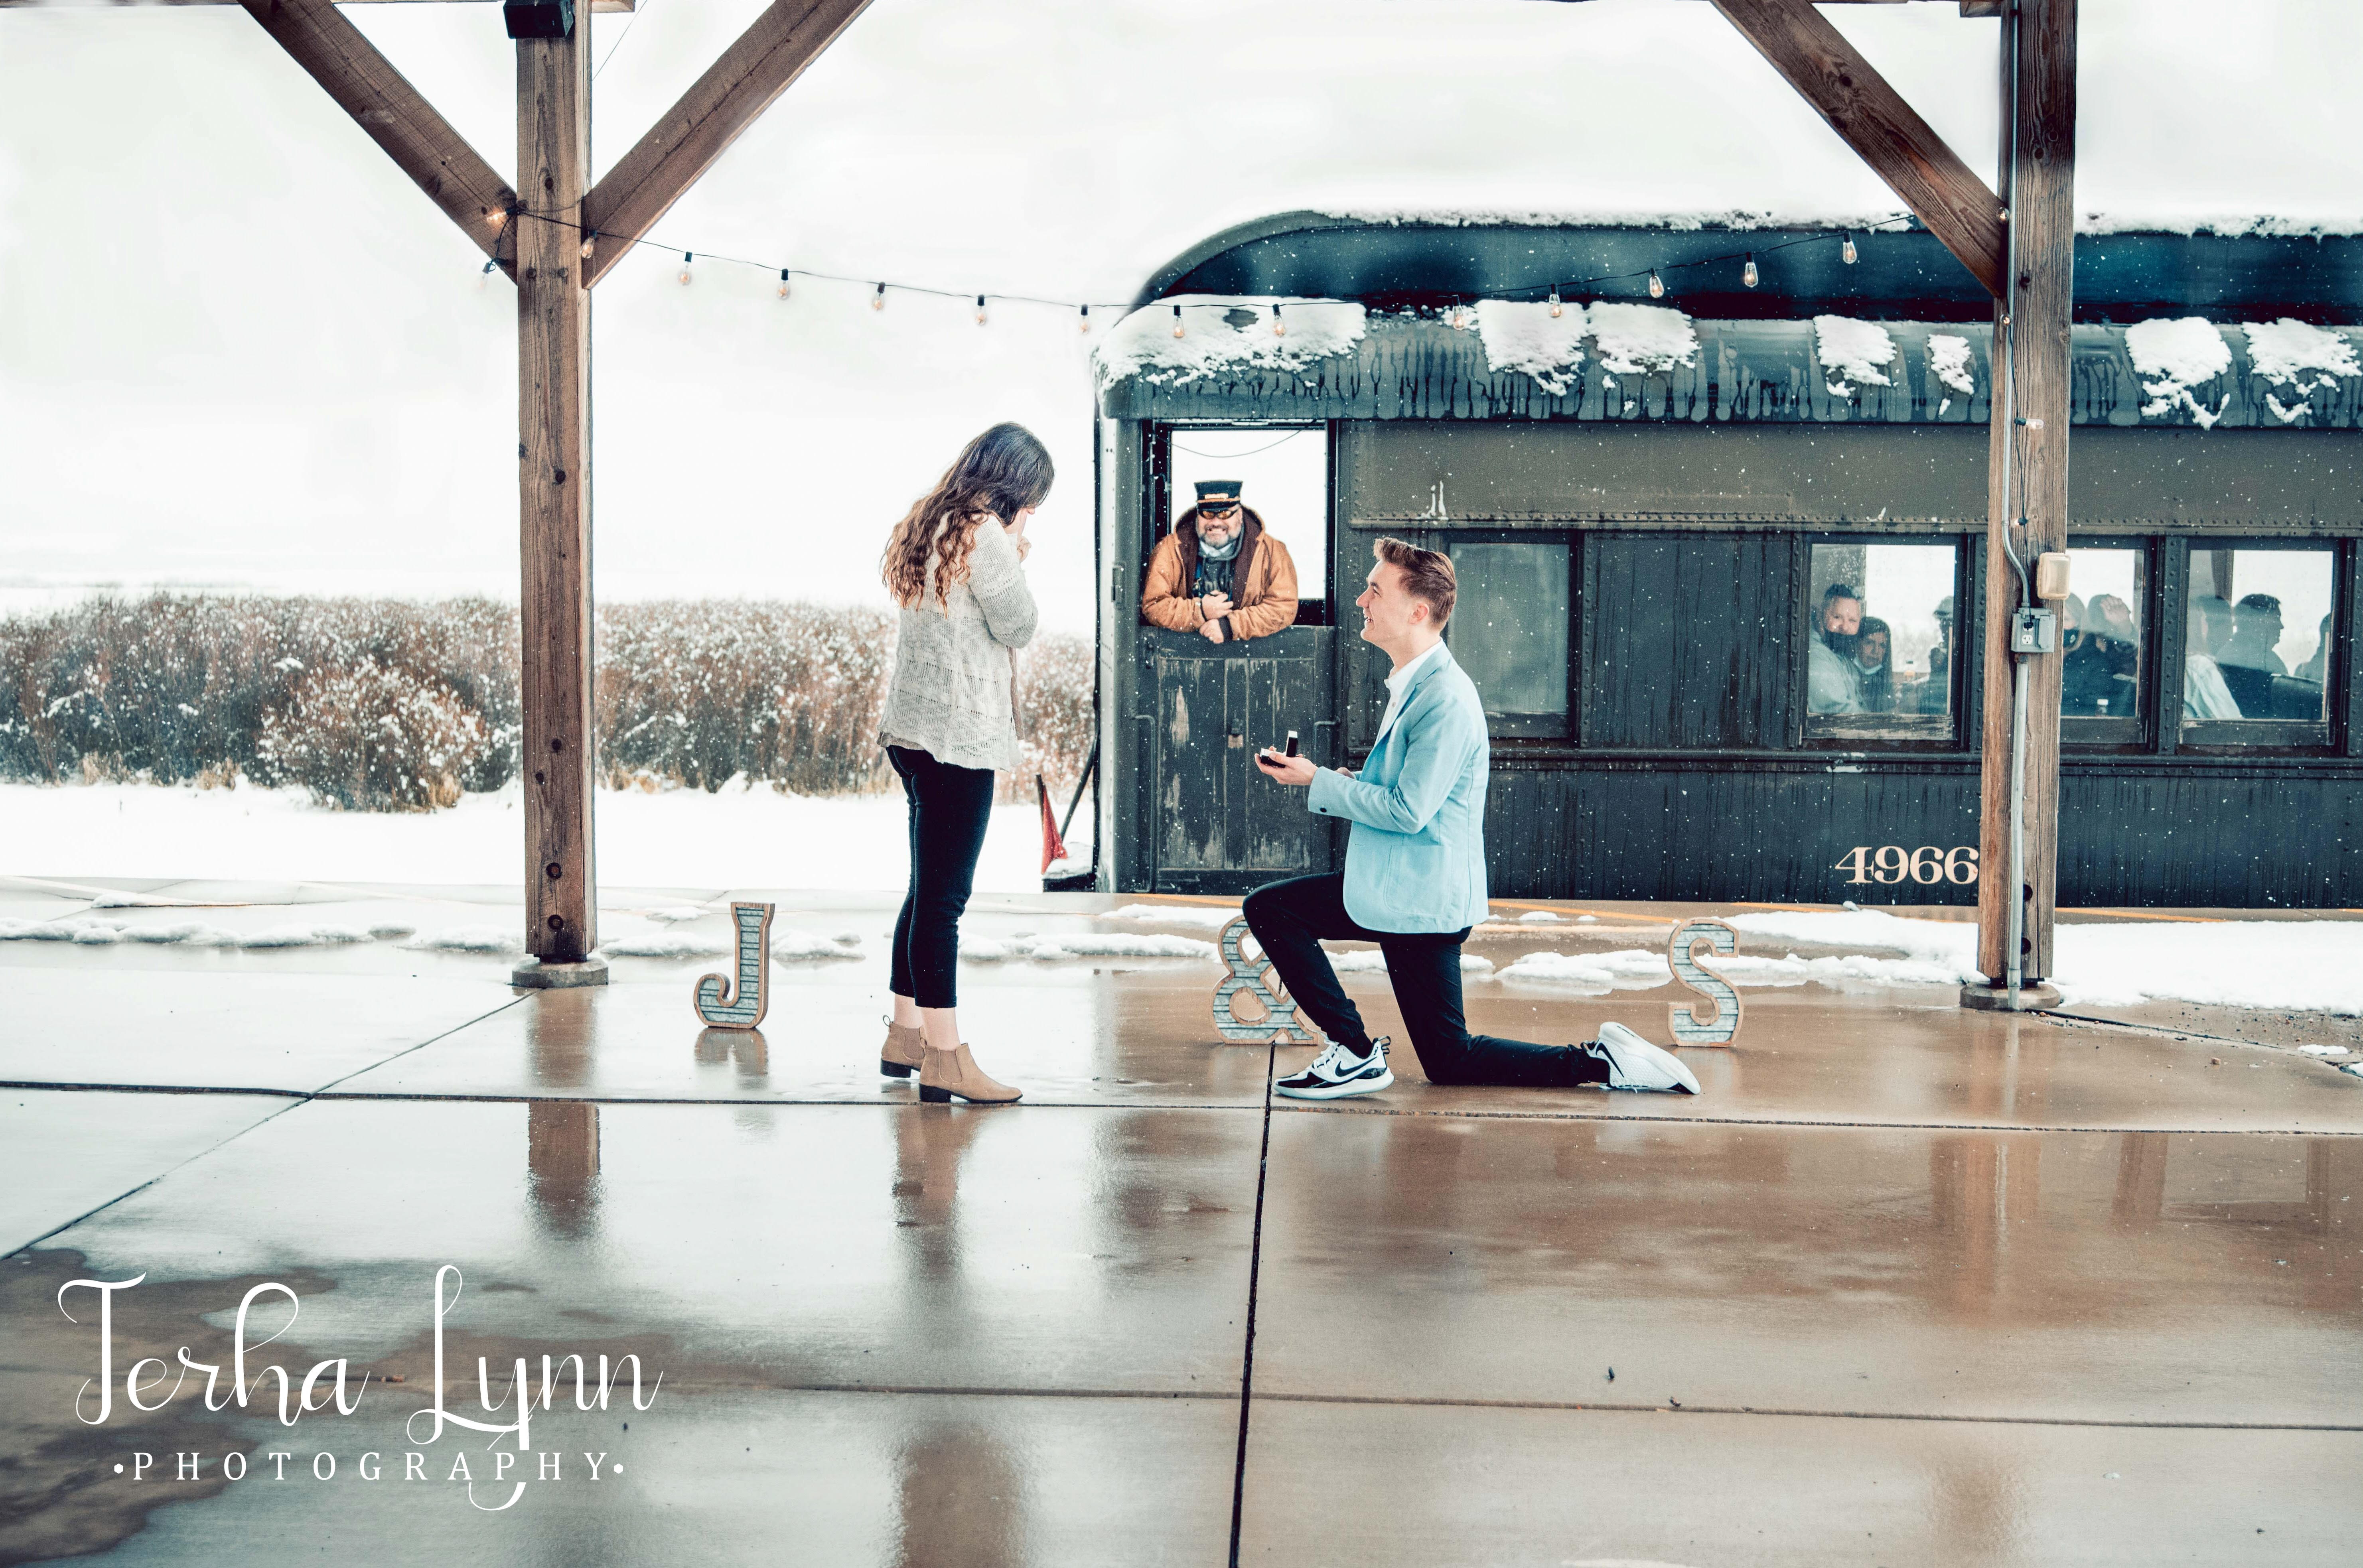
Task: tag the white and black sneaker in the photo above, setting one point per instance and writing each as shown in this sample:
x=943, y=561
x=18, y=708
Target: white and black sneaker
x=1338, y=1072
x=1635, y=1063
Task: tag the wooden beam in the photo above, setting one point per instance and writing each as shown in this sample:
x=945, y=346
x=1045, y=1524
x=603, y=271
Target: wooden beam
x=2031, y=367
x=771, y=54
x=383, y=102
x=1873, y=119
x=120, y=4
x=553, y=99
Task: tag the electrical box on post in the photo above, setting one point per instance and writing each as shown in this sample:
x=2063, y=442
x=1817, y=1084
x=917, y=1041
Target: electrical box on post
x=2035, y=631
x=539, y=18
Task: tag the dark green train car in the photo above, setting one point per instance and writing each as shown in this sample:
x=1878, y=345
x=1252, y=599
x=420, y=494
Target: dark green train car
x=1722, y=570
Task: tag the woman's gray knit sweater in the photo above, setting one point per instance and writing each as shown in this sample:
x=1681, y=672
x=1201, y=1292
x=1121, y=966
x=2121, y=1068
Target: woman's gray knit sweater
x=953, y=694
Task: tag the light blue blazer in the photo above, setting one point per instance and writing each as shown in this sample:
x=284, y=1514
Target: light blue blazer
x=1415, y=854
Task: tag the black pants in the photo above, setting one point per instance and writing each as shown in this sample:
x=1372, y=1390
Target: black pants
x=950, y=808
x=1292, y=918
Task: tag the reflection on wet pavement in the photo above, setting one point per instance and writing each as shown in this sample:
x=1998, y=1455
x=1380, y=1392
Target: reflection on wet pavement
x=1905, y=1285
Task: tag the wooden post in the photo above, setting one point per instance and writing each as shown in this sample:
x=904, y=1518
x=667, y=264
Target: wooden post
x=553, y=106
x=2028, y=474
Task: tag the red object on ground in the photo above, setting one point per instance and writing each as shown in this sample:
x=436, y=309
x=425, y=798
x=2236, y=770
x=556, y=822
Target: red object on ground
x=1054, y=849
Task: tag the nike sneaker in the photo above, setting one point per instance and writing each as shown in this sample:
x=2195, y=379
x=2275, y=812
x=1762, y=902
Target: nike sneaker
x=1635, y=1063
x=1337, y=1073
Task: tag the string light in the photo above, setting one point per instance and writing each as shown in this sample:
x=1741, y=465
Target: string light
x=1849, y=253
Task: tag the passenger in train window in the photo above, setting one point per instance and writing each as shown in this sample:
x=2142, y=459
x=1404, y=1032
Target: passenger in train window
x=2096, y=665
x=1874, y=665
x=1935, y=694
x=1833, y=682
x=2246, y=657
x=2316, y=667
x=2205, y=694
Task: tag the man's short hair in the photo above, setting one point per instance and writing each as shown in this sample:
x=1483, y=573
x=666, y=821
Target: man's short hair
x=2265, y=602
x=1428, y=576
x=1839, y=591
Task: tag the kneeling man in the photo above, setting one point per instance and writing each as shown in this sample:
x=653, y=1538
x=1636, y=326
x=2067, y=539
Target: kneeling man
x=1415, y=877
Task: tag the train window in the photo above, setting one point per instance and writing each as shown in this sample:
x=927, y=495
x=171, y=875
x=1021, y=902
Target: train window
x=1509, y=631
x=2101, y=641
x=2256, y=645
x=1284, y=475
x=1878, y=649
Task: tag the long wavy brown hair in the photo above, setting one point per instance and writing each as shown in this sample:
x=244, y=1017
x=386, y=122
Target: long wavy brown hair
x=998, y=475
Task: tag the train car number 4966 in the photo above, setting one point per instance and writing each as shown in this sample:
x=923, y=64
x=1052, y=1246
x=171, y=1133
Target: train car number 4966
x=1893, y=863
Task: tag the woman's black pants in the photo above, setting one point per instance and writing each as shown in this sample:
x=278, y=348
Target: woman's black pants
x=950, y=808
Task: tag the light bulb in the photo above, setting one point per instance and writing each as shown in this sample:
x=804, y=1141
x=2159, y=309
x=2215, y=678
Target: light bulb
x=783, y=283
x=1747, y=273
x=589, y=244
x=490, y=264
x=1177, y=320
x=979, y=309
x=1279, y=328
x=685, y=260
x=878, y=299
x=1656, y=285
x=1554, y=301
x=496, y=219
x=1846, y=251
x=1084, y=322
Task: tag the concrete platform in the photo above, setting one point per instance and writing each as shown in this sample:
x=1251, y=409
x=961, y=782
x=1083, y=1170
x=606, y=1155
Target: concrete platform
x=1905, y=1285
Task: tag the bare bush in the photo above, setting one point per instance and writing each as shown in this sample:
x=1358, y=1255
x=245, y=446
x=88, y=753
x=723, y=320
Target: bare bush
x=373, y=737
x=205, y=688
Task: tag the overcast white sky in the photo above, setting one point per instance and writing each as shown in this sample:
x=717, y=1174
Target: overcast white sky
x=238, y=347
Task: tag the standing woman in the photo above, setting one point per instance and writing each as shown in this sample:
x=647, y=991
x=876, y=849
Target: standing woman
x=955, y=565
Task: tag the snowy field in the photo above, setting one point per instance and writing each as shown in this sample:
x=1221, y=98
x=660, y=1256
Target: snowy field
x=686, y=839
x=680, y=838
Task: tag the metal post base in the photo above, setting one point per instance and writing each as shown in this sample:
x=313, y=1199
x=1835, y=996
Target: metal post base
x=538, y=976
x=2033, y=996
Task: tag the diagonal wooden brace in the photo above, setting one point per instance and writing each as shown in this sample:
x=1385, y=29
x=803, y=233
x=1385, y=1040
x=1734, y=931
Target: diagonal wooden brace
x=383, y=102
x=1887, y=134
x=732, y=94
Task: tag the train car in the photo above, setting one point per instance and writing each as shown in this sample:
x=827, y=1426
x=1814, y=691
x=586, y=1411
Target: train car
x=1716, y=499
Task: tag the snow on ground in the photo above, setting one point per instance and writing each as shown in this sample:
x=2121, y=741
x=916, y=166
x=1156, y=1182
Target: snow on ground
x=761, y=839
x=680, y=838
x=2312, y=964
x=1213, y=917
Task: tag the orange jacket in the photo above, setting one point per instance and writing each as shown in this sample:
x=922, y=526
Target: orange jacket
x=1263, y=594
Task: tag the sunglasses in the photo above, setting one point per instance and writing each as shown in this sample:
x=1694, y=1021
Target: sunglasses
x=1216, y=511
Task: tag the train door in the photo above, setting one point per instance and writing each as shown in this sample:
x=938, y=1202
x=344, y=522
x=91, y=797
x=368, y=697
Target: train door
x=1211, y=822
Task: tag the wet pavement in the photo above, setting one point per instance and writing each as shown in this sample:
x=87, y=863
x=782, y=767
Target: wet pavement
x=1907, y=1285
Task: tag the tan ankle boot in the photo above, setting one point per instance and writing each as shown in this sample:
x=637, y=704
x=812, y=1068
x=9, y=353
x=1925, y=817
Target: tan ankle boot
x=904, y=1049
x=947, y=1074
